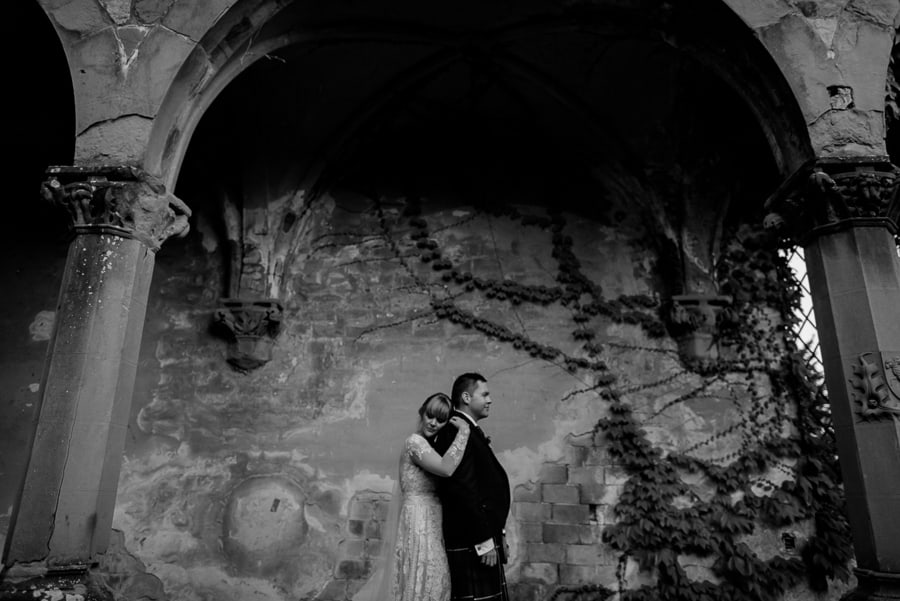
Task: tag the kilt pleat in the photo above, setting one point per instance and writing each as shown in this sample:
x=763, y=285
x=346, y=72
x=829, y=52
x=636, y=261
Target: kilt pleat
x=471, y=580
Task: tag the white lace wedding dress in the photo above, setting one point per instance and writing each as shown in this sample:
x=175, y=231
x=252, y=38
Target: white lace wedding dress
x=416, y=564
x=420, y=571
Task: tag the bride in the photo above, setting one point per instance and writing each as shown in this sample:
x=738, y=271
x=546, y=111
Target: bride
x=414, y=567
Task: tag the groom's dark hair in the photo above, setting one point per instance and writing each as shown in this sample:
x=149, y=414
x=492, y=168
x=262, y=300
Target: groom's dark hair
x=467, y=382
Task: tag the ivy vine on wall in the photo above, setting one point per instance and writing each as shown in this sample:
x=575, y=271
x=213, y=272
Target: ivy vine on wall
x=659, y=519
x=655, y=530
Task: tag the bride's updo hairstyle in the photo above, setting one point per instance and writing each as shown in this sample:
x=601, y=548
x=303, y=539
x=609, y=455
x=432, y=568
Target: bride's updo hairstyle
x=437, y=406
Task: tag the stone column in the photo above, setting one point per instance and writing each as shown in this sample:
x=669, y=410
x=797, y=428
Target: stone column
x=845, y=214
x=120, y=217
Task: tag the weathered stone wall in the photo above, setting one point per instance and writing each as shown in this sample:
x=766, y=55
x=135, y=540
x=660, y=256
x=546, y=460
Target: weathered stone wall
x=834, y=54
x=272, y=483
x=221, y=459
x=123, y=56
x=126, y=56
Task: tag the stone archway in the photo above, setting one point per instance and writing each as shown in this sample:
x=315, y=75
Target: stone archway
x=426, y=156
x=530, y=187
x=250, y=32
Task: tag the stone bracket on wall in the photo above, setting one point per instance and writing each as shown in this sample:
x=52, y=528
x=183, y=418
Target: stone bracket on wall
x=265, y=236
x=693, y=320
x=251, y=327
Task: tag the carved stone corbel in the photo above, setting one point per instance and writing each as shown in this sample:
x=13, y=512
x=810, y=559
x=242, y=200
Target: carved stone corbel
x=693, y=321
x=251, y=327
x=264, y=237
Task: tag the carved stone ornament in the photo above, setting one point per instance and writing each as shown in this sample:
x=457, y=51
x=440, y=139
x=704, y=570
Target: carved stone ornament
x=251, y=327
x=892, y=376
x=117, y=200
x=693, y=320
x=870, y=388
x=827, y=195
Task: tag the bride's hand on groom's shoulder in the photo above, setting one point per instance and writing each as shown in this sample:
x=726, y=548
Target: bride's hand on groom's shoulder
x=459, y=422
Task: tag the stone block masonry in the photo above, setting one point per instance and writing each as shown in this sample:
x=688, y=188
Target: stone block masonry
x=559, y=493
x=559, y=521
x=366, y=514
x=552, y=473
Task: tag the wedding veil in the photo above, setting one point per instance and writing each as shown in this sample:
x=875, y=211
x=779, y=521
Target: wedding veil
x=378, y=586
x=381, y=581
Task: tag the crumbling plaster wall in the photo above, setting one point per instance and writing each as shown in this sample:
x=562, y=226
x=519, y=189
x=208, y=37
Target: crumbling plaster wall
x=834, y=54
x=239, y=485
x=271, y=484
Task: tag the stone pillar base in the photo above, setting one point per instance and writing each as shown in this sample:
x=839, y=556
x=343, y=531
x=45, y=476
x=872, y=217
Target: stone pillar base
x=20, y=582
x=117, y=575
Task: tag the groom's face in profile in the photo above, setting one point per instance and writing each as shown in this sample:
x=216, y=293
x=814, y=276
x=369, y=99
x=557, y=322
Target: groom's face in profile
x=479, y=401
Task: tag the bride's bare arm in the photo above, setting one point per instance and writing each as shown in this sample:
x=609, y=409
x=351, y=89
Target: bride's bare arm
x=428, y=459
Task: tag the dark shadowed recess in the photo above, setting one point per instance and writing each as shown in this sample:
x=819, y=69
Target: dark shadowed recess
x=487, y=104
x=39, y=123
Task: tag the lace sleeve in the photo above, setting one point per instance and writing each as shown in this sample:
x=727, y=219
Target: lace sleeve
x=456, y=450
x=418, y=447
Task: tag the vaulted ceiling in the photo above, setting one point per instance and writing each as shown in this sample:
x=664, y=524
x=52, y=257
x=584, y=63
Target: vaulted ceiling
x=474, y=98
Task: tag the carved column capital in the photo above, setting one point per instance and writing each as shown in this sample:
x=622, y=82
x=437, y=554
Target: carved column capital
x=828, y=195
x=251, y=326
x=118, y=200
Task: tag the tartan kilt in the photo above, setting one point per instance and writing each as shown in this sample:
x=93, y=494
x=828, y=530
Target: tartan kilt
x=471, y=580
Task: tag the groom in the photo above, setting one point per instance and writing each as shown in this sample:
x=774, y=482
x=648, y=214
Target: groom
x=475, y=501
